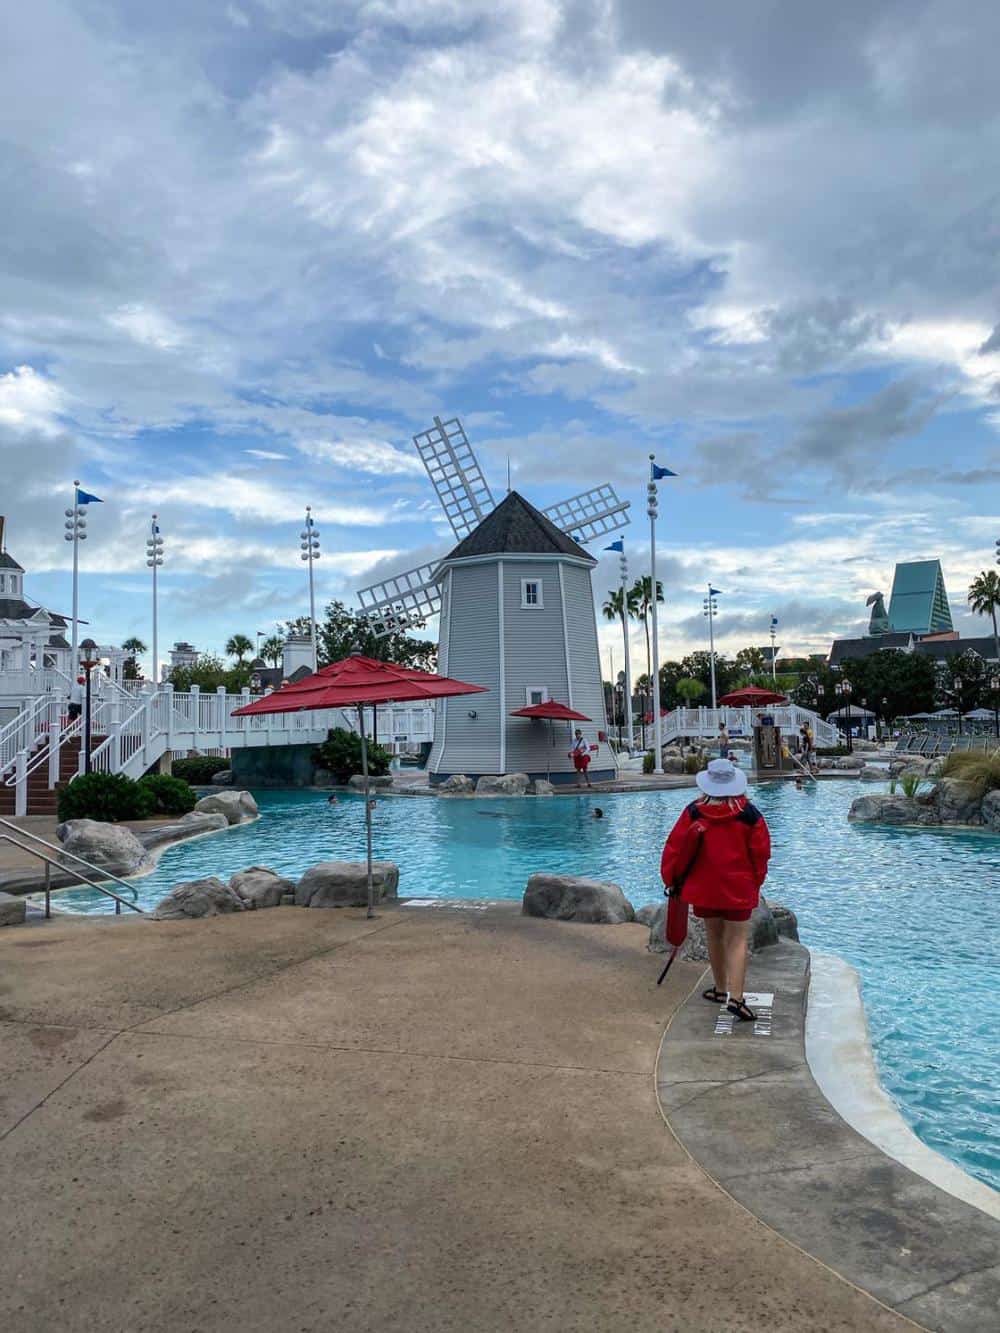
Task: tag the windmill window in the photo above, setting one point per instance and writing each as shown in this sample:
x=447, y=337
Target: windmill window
x=531, y=593
x=536, y=694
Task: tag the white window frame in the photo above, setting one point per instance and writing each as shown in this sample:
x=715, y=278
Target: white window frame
x=529, y=690
x=532, y=606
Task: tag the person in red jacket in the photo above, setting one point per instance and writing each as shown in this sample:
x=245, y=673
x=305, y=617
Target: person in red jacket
x=718, y=850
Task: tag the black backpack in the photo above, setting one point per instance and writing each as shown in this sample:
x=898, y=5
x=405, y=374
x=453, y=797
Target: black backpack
x=749, y=815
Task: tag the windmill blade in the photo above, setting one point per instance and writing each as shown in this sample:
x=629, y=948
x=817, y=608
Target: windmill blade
x=401, y=603
x=590, y=515
x=455, y=474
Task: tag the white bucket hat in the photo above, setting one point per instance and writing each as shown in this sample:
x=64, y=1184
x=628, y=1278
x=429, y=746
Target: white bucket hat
x=722, y=778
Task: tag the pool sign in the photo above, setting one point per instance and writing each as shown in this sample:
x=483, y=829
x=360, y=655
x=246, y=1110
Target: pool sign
x=760, y=1001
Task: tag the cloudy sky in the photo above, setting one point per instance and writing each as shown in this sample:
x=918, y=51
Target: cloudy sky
x=249, y=248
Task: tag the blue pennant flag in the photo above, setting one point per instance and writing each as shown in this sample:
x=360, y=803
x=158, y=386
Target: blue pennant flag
x=714, y=592
x=659, y=472
x=85, y=498
x=619, y=545
x=774, y=621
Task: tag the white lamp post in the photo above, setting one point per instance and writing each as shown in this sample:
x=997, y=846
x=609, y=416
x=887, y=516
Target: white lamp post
x=76, y=532
x=774, y=634
x=310, y=553
x=154, y=559
x=655, y=474
x=711, y=610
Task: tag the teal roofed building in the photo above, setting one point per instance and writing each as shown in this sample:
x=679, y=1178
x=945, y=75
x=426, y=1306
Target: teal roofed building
x=919, y=603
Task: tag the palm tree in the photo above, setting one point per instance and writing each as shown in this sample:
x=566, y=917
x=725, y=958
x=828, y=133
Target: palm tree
x=272, y=649
x=133, y=647
x=621, y=605
x=238, y=646
x=642, y=592
x=984, y=600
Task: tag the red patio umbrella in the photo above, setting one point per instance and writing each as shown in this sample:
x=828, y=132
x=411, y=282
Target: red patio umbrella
x=552, y=712
x=752, y=696
x=358, y=682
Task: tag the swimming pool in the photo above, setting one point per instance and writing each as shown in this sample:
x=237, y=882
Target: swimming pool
x=914, y=910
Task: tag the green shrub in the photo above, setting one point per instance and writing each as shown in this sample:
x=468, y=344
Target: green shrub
x=341, y=754
x=172, y=796
x=910, y=783
x=200, y=769
x=982, y=769
x=106, y=796
x=694, y=763
x=647, y=762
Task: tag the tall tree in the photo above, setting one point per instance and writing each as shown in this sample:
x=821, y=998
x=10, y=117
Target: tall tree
x=342, y=630
x=272, y=648
x=984, y=600
x=621, y=605
x=641, y=593
x=964, y=683
x=133, y=646
x=239, y=646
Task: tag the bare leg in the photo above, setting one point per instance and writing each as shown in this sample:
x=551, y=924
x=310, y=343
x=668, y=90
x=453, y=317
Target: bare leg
x=734, y=945
x=716, y=952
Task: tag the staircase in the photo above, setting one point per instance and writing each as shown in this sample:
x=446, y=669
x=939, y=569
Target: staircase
x=43, y=799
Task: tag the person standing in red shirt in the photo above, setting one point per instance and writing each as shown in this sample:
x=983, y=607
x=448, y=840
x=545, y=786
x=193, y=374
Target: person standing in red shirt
x=719, y=848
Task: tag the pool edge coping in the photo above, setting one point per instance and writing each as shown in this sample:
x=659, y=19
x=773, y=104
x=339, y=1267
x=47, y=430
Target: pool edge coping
x=836, y=1033
x=847, y=1210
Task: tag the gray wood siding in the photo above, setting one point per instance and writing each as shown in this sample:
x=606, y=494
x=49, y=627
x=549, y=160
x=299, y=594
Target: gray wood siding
x=535, y=654
x=471, y=627
x=585, y=661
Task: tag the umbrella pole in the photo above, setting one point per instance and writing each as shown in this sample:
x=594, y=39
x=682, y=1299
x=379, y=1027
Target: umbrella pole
x=368, y=808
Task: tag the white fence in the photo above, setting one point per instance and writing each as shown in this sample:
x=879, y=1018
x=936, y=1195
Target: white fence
x=704, y=722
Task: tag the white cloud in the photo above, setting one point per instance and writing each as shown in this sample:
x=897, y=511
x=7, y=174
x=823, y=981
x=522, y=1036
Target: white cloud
x=30, y=402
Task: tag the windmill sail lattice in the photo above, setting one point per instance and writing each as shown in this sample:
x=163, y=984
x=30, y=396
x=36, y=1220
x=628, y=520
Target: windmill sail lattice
x=455, y=474
x=411, y=598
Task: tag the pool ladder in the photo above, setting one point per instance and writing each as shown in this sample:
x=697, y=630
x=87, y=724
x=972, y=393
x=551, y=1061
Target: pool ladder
x=11, y=833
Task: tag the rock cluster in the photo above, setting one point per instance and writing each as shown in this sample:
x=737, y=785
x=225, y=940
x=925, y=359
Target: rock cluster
x=769, y=922
x=950, y=801
x=576, y=898
x=329, y=884
x=507, y=784
x=357, y=782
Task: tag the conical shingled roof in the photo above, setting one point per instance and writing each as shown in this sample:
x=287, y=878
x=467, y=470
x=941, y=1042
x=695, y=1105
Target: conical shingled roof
x=516, y=527
x=7, y=561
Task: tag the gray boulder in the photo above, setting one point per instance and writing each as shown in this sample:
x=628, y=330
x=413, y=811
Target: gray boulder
x=957, y=801
x=673, y=763
x=576, y=898
x=849, y=762
x=112, y=847
x=381, y=783
x=542, y=787
x=457, y=785
x=345, y=884
x=199, y=897
x=508, y=784
x=645, y=915
x=990, y=811
x=223, y=778
x=872, y=774
x=891, y=810
x=238, y=806
x=785, y=920
x=260, y=887
x=12, y=910
x=188, y=826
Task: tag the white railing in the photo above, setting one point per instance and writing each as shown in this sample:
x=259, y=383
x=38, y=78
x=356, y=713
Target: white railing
x=739, y=722
x=23, y=732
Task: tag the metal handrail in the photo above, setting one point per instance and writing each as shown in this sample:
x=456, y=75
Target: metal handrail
x=60, y=865
x=18, y=724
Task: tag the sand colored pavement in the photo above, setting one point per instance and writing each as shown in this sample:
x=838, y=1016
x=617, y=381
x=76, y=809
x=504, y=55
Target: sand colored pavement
x=442, y=1119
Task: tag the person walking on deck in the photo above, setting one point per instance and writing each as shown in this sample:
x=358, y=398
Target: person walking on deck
x=808, y=744
x=722, y=740
x=719, y=848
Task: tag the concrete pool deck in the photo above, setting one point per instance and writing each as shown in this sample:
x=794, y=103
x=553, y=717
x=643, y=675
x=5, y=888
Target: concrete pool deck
x=435, y=1120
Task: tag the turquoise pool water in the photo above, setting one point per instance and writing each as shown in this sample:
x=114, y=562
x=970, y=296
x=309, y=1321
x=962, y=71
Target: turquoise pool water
x=916, y=911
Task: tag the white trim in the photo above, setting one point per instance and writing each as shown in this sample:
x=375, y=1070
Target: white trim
x=543, y=557
x=569, y=673
x=503, y=670
x=539, y=603
x=446, y=616
x=529, y=690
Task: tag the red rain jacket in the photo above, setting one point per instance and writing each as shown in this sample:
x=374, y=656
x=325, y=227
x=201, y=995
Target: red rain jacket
x=732, y=863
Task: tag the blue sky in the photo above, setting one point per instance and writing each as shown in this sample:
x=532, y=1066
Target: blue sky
x=250, y=248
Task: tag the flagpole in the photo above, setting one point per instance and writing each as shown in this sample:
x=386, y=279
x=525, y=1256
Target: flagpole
x=711, y=643
x=651, y=510
x=629, y=723
x=76, y=576
x=774, y=667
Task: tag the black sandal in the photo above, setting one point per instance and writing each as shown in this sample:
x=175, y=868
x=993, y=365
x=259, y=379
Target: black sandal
x=714, y=996
x=742, y=1011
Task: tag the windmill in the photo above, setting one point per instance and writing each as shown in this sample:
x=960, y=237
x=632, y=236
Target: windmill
x=516, y=613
